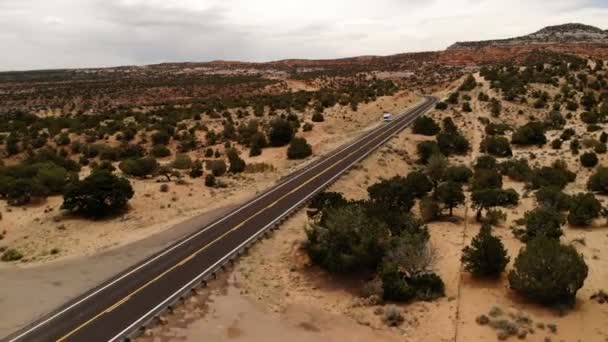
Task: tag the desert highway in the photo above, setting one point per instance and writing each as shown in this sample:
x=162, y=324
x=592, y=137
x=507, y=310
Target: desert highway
x=118, y=308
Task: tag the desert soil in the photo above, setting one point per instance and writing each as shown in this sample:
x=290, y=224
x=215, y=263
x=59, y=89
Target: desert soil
x=89, y=252
x=274, y=293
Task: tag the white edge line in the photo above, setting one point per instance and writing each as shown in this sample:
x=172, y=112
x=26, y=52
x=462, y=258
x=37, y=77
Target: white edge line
x=170, y=249
x=230, y=254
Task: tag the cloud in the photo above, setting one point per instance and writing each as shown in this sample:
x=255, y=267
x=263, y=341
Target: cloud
x=70, y=33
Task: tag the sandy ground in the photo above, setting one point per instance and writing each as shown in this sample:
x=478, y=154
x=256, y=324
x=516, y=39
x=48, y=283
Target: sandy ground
x=88, y=252
x=42, y=233
x=276, y=282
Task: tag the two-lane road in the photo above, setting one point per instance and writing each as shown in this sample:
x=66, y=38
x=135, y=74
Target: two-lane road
x=116, y=309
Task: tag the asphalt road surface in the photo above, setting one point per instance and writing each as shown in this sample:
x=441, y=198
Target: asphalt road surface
x=118, y=308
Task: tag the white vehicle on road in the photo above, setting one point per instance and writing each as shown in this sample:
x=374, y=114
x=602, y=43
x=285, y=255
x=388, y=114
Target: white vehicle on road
x=387, y=117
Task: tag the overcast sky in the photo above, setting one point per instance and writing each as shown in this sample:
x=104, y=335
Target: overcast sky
x=41, y=34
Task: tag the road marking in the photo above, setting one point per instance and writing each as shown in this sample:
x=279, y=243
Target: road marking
x=193, y=255
x=194, y=235
x=197, y=278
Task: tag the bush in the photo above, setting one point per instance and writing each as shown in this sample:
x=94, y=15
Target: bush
x=281, y=133
x=441, y=106
x=486, y=256
x=327, y=200
x=160, y=151
x=532, y=133
x=197, y=169
x=429, y=209
x=11, y=254
x=161, y=138
x=453, y=144
x=210, y=180
x=100, y=194
x=545, y=222
x=418, y=184
x=517, y=170
x=491, y=198
x=583, y=209
x=307, y=127
x=496, y=146
x=450, y=194
x=459, y=174
x=182, y=162
x=466, y=107
x=393, y=194
x=553, y=197
x=468, y=84
x=237, y=165
x=589, y=160
x=141, y=167
x=486, y=179
x=556, y=144
x=217, y=167
x=347, y=240
x=299, y=149
x=598, y=182
x=548, y=272
x=556, y=175
x=425, y=126
x=427, y=149
x=317, y=117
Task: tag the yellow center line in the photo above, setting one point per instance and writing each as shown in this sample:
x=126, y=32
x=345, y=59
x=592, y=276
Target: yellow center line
x=193, y=255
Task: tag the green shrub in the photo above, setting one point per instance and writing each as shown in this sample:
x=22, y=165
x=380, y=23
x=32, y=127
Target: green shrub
x=393, y=194
x=553, y=197
x=489, y=198
x=100, y=194
x=197, y=169
x=583, y=209
x=281, y=133
x=441, y=106
x=496, y=146
x=182, y=162
x=486, y=256
x=545, y=222
x=299, y=149
x=426, y=126
x=210, y=180
x=556, y=175
x=11, y=254
x=346, y=241
x=459, y=174
x=450, y=194
x=429, y=209
x=532, y=133
x=556, y=144
x=426, y=149
x=307, y=127
x=548, y=272
x=466, y=107
x=598, y=182
x=418, y=184
x=468, y=84
x=317, y=117
x=217, y=167
x=160, y=151
x=237, y=164
x=518, y=170
x=589, y=160
x=141, y=167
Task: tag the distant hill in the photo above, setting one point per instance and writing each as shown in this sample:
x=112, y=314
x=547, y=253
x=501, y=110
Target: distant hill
x=567, y=33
